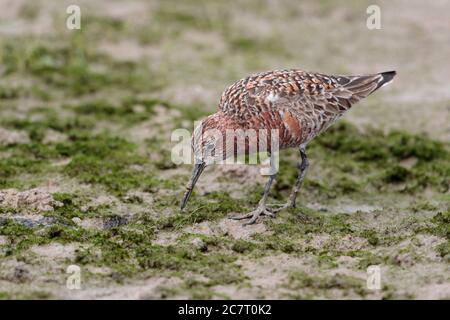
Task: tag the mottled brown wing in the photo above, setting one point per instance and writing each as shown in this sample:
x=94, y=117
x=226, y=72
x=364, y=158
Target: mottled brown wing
x=298, y=91
x=306, y=93
x=300, y=104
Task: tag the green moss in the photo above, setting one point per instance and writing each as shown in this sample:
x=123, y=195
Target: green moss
x=255, y=45
x=29, y=11
x=300, y=280
x=199, y=290
x=377, y=146
x=369, y=259
x=217, y=267
x=106, y=160
x=84, y=256
x=12, y=229
x=8, y=93
x=326, y=260
x=164, y=160
x=404, y=146
x=267, y=244
x=99, y=159
x=444, y=250
x=173, y=16
x=49, y=119
x=313, y=222
x=100, y=146
x=127, y=249
x=424, y=206
x=5, y=295
x=66, y=234
x=242, y=246
x=441, y=224
x=373, y=157
x=396, y=174
x=153, y=35
x=346, y=185
x=73, y=68
x=371, y=236
x=103, y=23
x=21, y=237
x=30, y=295
x=126, y=111
x=72, y=207
x=210, y=207
x=15, y=165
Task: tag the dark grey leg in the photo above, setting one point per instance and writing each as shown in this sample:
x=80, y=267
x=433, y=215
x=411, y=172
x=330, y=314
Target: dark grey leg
x=303, y=168
x=261, y=209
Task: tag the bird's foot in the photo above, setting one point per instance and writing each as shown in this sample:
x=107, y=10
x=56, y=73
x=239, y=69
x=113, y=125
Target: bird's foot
x=254, y=215
x=287, y=205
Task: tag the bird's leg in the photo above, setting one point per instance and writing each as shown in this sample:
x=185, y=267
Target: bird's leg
x=262, y=208
x=303, y=168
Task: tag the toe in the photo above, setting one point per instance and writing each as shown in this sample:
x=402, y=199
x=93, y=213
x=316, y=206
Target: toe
x=242, y=217
x=270, y=213
x=251, y=221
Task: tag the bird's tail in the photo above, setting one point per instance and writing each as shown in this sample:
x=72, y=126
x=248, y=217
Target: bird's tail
x=361, y=86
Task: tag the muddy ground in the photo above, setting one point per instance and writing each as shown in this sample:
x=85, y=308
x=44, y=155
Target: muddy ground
x=86, y=178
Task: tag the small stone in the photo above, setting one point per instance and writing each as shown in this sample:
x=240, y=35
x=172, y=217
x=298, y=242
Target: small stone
x=404, y=260
x=199, y=244
x=114, y=221
x=77, y=221
x=20, y=274
x=3, y=240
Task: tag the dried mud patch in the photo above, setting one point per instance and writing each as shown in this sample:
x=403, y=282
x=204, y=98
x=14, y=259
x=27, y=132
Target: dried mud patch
x=268, y=274
x=28, y=201
x=152, y=288
x=417, y=281
x=233, y=179
x=55, y=250
x=226, y=227
x=13, y=137
x=127, y=50
x=159, y=125
x=192, y=94
x=3, y=240
x=231, y=229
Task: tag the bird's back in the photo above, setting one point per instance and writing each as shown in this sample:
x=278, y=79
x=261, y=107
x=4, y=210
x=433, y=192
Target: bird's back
x=299, y=103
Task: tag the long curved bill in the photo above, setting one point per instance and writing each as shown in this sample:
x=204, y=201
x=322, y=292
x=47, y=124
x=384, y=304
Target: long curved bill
x=196, y=172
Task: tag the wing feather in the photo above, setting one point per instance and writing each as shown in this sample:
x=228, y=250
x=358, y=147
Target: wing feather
x=296, y=90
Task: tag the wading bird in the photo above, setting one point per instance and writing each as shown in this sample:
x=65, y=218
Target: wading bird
x=299, y=105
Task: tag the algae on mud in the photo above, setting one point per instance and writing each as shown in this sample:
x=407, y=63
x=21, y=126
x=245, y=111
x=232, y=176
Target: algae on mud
x=97, y=120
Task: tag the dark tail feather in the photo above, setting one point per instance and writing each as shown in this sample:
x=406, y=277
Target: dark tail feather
x=362, y=86
x=386, y=78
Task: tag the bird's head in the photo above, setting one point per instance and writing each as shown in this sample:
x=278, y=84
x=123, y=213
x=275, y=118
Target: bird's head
x=208, y=147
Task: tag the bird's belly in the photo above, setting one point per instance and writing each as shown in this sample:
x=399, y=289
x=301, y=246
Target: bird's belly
x=315, y=125
x=273, y=130
x=291, y=130
x=268, y=132
x=299, y=128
